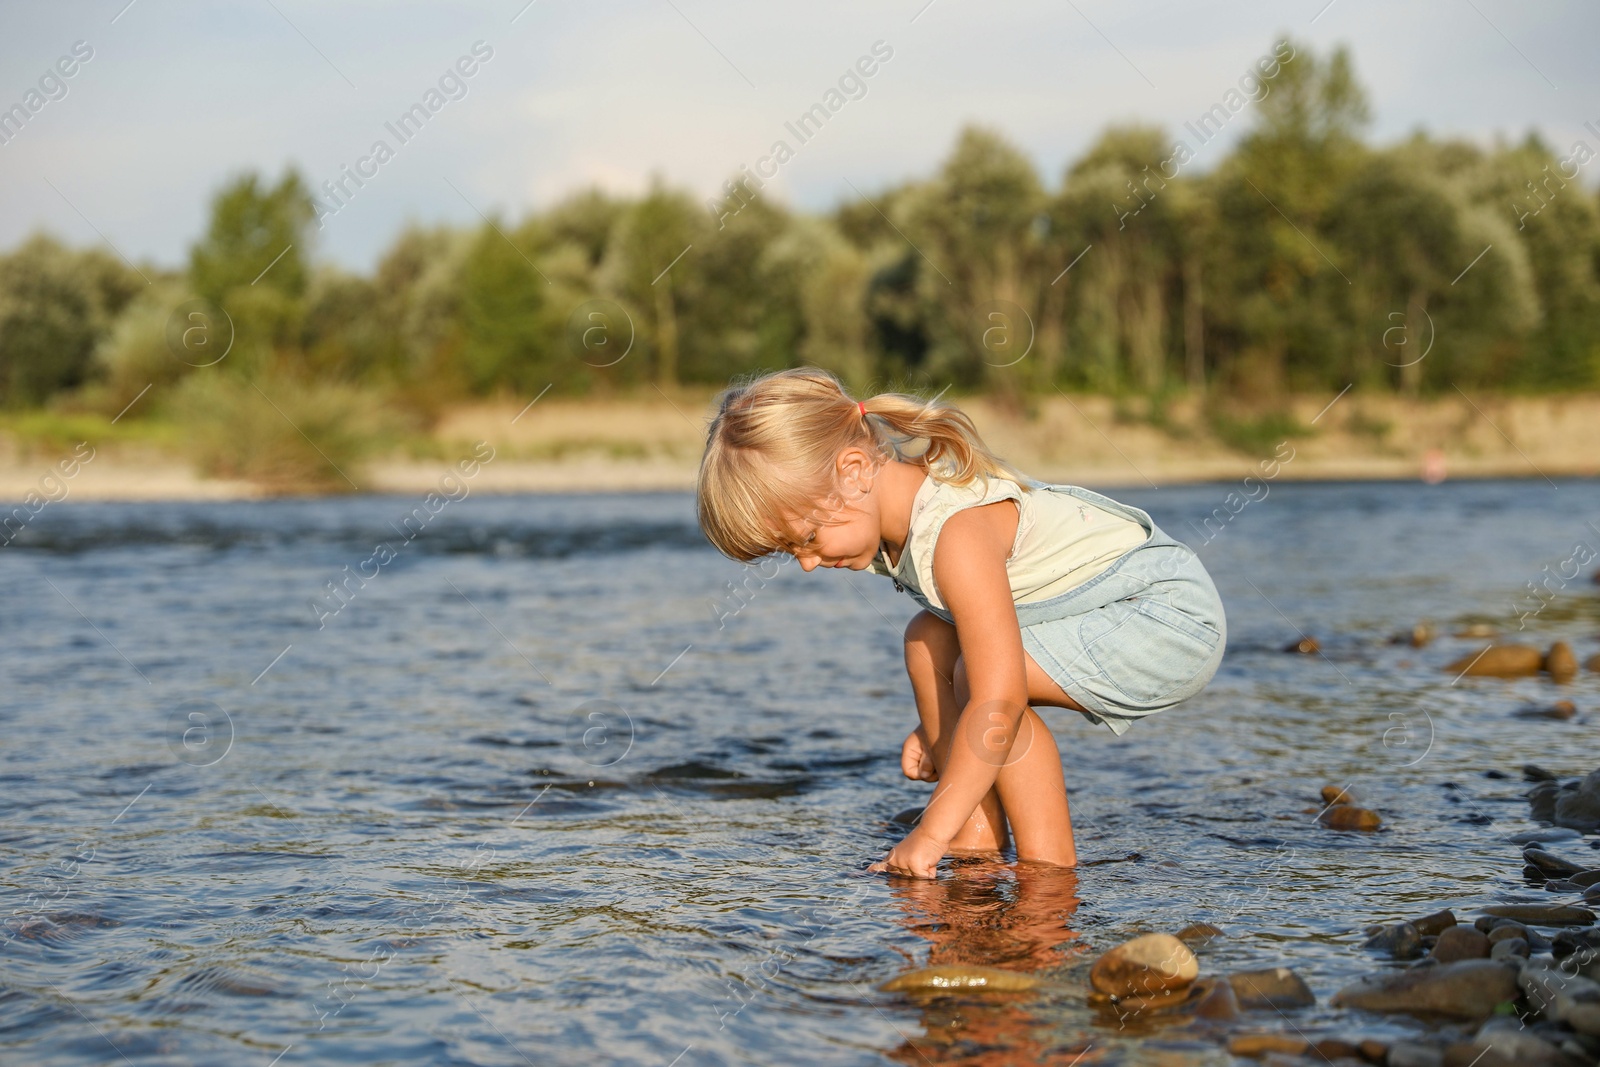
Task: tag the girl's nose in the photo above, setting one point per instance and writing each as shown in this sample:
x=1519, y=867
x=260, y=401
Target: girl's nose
x=807, y=563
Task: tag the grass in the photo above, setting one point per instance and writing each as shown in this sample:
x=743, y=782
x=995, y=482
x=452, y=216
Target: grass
x=1256, y=435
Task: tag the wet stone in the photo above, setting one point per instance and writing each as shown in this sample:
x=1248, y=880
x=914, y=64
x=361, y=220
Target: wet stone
x=1460, y=943
x=1500, y=661
x=1469, y=989
x=1402, y=941
x=1414, y=1054
x=1198, y=934
x=1561, y=710
x=1506, y=930
x=1306, y=646
x=1436, y=923
x=1542, y=914
x=1552, y=865
x=1153, y=963
x=1585, y=878
x=1215, y=1000
x=1272, y=987
x=1332, y=794
x=1545, y=836
x=1349, y=817
x=1257, y=1045
x=1511, y=946
x=1561, y=664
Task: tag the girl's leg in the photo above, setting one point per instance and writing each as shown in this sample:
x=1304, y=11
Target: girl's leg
x=931, y=656
x=1031, y=787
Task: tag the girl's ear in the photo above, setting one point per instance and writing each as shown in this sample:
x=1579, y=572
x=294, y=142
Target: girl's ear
x=858, y=470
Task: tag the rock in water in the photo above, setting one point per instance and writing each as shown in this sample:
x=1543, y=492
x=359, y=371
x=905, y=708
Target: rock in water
x=1550, y=864
x=1460, y=943
x=1275, y=987
x=1579, y=808
x=1435, y=924
x=1153, y=963
x=1542, y=914
x=1402, y=941
x=1593, y=662
x=1306, y=646
x=1560, y=662
x=1561, y=710
x=1349, y=817
x=970, y=979
x=1214, y=999
x=909, y=817
x=1332, y=794
x=1468, y=989
x=1511, y=946
x=1500, y=661
x=1255, y=1046
x=1198, y=934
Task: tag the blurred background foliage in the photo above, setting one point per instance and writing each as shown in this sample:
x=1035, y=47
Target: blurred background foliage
x=1303, y=260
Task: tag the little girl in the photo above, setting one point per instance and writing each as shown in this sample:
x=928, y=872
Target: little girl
x=1032, y=593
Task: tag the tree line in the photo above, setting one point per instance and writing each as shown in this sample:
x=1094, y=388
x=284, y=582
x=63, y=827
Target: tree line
x=1304, y=259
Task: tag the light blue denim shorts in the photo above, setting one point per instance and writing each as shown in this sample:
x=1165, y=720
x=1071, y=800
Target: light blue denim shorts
x=1139, y=637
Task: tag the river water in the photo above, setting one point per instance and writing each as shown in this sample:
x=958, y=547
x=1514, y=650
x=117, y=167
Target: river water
x=542, y=790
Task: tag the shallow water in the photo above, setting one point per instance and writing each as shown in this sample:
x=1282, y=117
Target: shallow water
x=531, y=795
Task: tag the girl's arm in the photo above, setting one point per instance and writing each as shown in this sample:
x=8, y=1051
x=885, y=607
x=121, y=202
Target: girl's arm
x=969, y=568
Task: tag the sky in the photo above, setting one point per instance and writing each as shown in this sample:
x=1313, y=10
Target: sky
x=179, y=96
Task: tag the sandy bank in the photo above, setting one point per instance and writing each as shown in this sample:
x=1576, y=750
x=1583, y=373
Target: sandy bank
x=653, y=443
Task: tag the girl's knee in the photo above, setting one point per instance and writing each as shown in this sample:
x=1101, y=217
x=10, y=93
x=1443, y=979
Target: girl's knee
x=927, y=635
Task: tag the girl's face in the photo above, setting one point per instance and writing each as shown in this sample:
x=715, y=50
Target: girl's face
x=844, y=530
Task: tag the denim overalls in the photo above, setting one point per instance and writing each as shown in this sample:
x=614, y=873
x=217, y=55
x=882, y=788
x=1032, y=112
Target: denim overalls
x=1141, y=636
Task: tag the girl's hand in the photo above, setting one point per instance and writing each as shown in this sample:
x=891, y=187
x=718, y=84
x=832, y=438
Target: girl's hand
x=917, y=855
x=916, y=757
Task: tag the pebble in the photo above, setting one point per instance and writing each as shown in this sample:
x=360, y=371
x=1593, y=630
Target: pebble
x=1199, y=933
x=1579, y=808
x=1543, y=837
x=1469, y=989
x=1460, y=943
x=1560, y=662
x=1592, y=895
x=1153, y=963
x=1333, y=794
x=1500, y=661
x=1507, y=930
x=1349, y=817
x=1593, y=662
x=1535, y=773
x=1585, y=878
x=1563, y=997
x=1479, y=630
x=1508, y=947
x=1414, y=1054
x=909, y=817
x=1255, y=1045
x=1274, y=987
x=1542, y=914
x=1551, y=864
x=1505, y=1047
x=978, y=979
x=1306, y=646
x=1402, y=941
x=1215, y=999
x=1435, y=924
x=1560, y=710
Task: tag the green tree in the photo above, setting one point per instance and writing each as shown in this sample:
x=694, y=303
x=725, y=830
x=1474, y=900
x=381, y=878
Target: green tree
x=652, y=265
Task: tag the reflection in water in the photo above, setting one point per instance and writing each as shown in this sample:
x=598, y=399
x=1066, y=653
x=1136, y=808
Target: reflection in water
x=992, y=915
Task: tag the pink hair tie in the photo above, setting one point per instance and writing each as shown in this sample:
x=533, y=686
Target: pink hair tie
x=861, y=406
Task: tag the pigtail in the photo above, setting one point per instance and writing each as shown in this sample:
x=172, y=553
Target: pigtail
x=954, y=451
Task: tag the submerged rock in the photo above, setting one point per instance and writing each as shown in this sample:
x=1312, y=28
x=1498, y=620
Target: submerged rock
x=1199, y=933
x=1435, y=924
x=1560, y=662
x=1579, y=807
x=1274, y=987
x=909, y=817
x=1258, y=1045
x=960, y=977
x=1468, y=989
x=1552, y=865
x=1402, y=941
x=1542, y=914
x=1153, y=963
x=1215, y=999
x=1543, y=837
x=1306, y=646
x=1500, y=661
x=1593, y=662
x=1561, y=710
x=1333, y=794
x=1349, y=817
x=1508, y=947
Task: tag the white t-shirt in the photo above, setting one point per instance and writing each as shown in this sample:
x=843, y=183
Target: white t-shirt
x=1061, y=541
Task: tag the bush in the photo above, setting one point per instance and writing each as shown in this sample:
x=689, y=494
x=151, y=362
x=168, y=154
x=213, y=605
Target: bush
x=284, y=435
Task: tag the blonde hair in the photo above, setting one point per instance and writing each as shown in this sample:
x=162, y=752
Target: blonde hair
x=772, y=445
